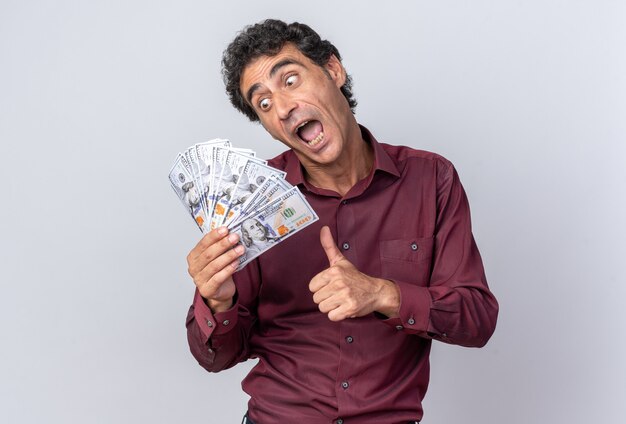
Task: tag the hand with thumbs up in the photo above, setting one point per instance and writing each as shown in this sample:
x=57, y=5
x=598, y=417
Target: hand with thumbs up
x=341, y=291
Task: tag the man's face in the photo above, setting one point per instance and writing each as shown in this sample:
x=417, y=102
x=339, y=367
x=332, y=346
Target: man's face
x=300, y=103
x=254, y=229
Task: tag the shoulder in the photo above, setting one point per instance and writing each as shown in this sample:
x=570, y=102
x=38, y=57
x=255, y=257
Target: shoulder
x=410, y=160
x=403, y=156
x=402, y=153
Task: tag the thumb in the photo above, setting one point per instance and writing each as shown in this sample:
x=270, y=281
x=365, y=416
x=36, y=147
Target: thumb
x=328, y=243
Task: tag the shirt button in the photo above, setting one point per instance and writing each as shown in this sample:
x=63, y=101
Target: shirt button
x=349, y=339
x=226, y=322
x=399, y=327
x=209, y=323
x=413, y=246
x=411, y=321
x=444, y=335
x=345, y=384
x=346, y=246
x=339, y=421
x=345, y=202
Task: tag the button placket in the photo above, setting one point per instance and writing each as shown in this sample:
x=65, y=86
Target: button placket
x=347, y=241
x=345, y=377
x=346, y=230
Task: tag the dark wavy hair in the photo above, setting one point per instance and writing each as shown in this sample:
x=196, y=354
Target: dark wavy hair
x=267, y=38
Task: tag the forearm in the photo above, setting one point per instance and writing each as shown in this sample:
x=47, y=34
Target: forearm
x=464, y=316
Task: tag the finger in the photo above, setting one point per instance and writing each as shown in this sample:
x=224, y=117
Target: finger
x=338, y=314
x=336, y=311
x=340, y=306
x=221, y=286
x=219, y=268
x=319, y=281
x=329, y=304
x=322, y=294
x=209, y=239
x=328, y=243
x=210, y=253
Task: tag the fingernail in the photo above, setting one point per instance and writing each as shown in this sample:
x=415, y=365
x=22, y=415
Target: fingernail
x=233, y=238
x=239, y=249
x=222, y=231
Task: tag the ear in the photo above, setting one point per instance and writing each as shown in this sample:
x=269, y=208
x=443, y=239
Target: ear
x=336, y=71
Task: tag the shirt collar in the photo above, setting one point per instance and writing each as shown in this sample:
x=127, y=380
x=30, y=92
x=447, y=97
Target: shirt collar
x=382, y=160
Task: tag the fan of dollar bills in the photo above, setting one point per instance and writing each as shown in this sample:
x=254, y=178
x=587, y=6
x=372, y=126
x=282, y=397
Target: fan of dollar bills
x=220, y=185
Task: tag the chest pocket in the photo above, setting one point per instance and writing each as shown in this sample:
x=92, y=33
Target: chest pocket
x=408, y=259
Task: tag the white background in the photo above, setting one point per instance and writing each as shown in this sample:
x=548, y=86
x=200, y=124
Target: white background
x=528, y=99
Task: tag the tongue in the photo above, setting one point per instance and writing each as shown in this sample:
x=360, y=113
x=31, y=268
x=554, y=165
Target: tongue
x=310, y=130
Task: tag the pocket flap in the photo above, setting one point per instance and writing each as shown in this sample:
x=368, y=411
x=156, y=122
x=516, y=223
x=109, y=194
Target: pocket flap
x=408, y=250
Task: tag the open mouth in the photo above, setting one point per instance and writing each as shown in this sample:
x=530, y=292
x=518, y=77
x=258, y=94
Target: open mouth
x=311, y=132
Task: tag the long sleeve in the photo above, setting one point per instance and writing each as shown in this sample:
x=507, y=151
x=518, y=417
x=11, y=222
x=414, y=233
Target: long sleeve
x=219, y=341
x=456, y=306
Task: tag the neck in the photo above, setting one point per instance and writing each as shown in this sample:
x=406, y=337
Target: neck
x=354, y=164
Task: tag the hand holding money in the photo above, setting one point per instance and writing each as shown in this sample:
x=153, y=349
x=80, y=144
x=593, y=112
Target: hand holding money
x=220, y=185
x=211, y=266
x=341, y=291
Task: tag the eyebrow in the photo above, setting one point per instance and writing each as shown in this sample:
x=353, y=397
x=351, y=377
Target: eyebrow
x=277, y=66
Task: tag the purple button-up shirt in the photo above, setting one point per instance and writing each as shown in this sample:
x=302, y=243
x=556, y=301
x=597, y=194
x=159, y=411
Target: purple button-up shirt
x=408, y=221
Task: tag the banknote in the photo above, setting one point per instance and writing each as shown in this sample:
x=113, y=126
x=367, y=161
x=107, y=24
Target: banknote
x=185, y=188
x=276, y=221
x=232, y=171
x=197, y=169
x=204, y=154
x=273, y=192
x=218, y=162
x=253, y=176
x=248, y=152
x=188, y=161
x=272, y=188
x=259, y=192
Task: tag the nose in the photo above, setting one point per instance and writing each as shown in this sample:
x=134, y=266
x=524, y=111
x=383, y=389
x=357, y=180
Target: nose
x=284, y=105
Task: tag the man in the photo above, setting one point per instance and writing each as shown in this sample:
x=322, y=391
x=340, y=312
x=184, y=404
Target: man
x=341, y=315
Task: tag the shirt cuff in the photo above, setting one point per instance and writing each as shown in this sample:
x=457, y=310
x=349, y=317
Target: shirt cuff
x=210, y=323
x=415, y=305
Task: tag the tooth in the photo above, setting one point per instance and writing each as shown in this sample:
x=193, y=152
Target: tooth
x=317, y=140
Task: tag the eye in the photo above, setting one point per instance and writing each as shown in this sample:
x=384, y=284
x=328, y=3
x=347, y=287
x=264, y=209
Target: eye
x=291, y=80
x=264, y=103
